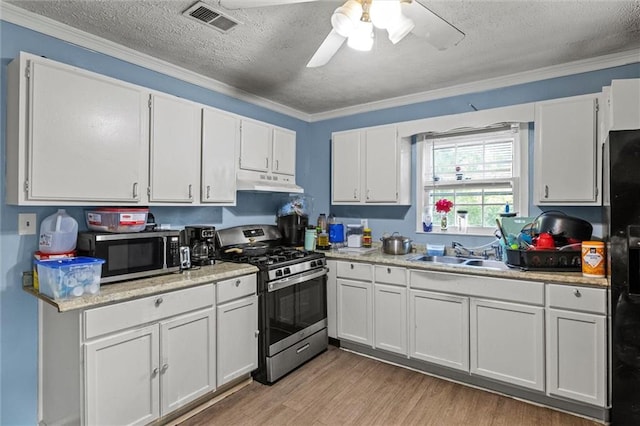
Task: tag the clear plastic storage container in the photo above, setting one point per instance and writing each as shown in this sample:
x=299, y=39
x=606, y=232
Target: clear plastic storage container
x=67, y=278
x=117, y=220
x=58, y=233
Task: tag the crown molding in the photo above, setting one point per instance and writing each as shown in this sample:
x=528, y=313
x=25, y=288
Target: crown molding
x=47, y=26
x=576, y=67
x=50, y=27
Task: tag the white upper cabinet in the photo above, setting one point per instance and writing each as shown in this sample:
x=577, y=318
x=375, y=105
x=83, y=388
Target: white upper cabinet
x=567, y=156
x=371, y=166
x=73, y=136
x=175, y=150
x=220, y=141
x=624, y=104
x=255, y=146
x=284, y=151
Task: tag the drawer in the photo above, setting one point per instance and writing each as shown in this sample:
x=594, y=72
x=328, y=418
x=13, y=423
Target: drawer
x=391, y=275
x=355, y=271
x=108, y=319
x=235, y=288
x=585, y=299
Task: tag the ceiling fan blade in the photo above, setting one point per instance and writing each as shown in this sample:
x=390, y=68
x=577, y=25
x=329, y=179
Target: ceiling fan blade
x=247, y=4
x=436, y=30
x=327, y=49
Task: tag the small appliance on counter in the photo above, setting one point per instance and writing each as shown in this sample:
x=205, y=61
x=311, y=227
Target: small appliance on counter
x=292, y=227
x=201, y=242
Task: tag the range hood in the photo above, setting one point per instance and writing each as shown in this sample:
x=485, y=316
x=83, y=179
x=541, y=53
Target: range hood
x=266, y=182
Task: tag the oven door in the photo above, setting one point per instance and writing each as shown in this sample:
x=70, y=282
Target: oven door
x=295, y=308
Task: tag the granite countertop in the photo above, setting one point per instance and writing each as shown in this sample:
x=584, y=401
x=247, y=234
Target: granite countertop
x=133, y=289
x=378, y=257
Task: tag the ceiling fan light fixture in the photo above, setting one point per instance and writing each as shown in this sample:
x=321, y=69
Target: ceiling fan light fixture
x=400, y=28
x=346, y=18
x=384, y=12
x=362, y=38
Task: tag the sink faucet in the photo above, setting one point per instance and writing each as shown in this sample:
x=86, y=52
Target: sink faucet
x=462, y=251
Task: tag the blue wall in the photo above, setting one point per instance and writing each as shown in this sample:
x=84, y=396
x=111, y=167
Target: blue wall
x=18, y=310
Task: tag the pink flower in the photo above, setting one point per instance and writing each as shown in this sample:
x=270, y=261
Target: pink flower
x=443, y=205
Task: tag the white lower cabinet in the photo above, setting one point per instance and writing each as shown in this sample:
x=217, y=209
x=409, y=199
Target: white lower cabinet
x=237, y=328
x=576, y=343
x=439, y=328
x=332, y=299
x=507, y=342
x=355, y=311
x=390, y=318
x=139, y=375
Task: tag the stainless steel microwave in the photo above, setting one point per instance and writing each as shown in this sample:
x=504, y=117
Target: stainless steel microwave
x=132, y=255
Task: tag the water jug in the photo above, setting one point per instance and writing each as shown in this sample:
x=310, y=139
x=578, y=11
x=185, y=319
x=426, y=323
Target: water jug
x=58, y=233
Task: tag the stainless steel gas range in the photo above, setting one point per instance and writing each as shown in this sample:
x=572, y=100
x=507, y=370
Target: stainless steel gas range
x=292, y=297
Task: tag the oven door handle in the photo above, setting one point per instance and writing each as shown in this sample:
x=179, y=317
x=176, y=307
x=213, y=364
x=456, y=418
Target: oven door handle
x=296, y=279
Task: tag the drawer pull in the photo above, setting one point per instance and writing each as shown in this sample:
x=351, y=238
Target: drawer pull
x=159, y=301
x=577, y=293
x=256, y=333
x=388, y=270
x=303, y=348
x=165, y=367
x=238, y=283
x=351, y=266
x=155, y=372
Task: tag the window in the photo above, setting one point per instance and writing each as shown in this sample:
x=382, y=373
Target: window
x=479, y=171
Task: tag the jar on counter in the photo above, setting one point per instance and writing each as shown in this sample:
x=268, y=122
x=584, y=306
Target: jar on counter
x=366, y=238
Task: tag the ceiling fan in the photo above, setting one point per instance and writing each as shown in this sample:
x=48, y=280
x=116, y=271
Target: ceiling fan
x=355, y=19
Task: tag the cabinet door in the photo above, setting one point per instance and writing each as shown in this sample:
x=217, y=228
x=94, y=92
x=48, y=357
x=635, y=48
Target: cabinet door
x=284, y=152
x=220, y=141
x=187, y=358
x=507, y=342
x=121, y=378
x=439, y=328
x=355, y=311
x=237, y=337
x=86, y=137
x=390, y=318
x=332, y=299
x=345, y=167
x=175, y=150
x=381, y=165
x=255, y=146
x=566, y=151
x=576, y=356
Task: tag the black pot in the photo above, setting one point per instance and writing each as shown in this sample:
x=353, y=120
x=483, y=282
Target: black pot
x=560, y=225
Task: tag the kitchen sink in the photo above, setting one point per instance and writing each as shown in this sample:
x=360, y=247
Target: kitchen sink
x=461, y=261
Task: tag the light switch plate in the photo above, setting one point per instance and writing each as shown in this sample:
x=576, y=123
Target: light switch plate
x=26, y=224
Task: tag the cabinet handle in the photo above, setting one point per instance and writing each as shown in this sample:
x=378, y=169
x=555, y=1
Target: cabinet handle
x=351, y=266
x=267, y=162
x=303, y=348
x=135, y=190
x=208, y=191
x=165, y=367
x=368, y=192
x=577, y=293
x=355, y=194
x=277, y=164
x=238, y=283
x=256, y=333
x=159, y=301
x=546, y=191
x=190, y=192
x=155, y=372
x=388, y=270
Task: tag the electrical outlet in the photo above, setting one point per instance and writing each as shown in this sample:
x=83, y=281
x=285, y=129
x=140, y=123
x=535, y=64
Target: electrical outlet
x=26, y=224
x=364, y=222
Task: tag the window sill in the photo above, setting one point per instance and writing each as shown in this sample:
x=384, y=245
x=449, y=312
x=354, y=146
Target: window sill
x=454, y=231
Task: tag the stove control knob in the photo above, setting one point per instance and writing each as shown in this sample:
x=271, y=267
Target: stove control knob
x=279, y=273
x=320, y=262
x=287, y=271
x=312, y=263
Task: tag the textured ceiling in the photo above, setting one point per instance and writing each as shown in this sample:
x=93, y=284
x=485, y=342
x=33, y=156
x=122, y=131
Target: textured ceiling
x=267, y=54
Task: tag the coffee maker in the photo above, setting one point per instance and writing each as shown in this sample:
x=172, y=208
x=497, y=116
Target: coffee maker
x=292, y=228
x=200, y=240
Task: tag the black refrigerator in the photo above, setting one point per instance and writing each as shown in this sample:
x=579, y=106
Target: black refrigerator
x=622, y=214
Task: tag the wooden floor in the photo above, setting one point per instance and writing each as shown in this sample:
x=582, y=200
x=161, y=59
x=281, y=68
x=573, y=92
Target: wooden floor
x=339, y=388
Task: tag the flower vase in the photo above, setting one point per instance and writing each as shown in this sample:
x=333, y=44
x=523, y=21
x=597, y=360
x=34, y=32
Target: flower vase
x=443, y=222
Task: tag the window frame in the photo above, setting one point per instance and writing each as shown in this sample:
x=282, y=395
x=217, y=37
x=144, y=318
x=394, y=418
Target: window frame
x=520, y=177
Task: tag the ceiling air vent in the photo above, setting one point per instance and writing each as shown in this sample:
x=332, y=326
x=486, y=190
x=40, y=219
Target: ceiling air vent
x=205, y=14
